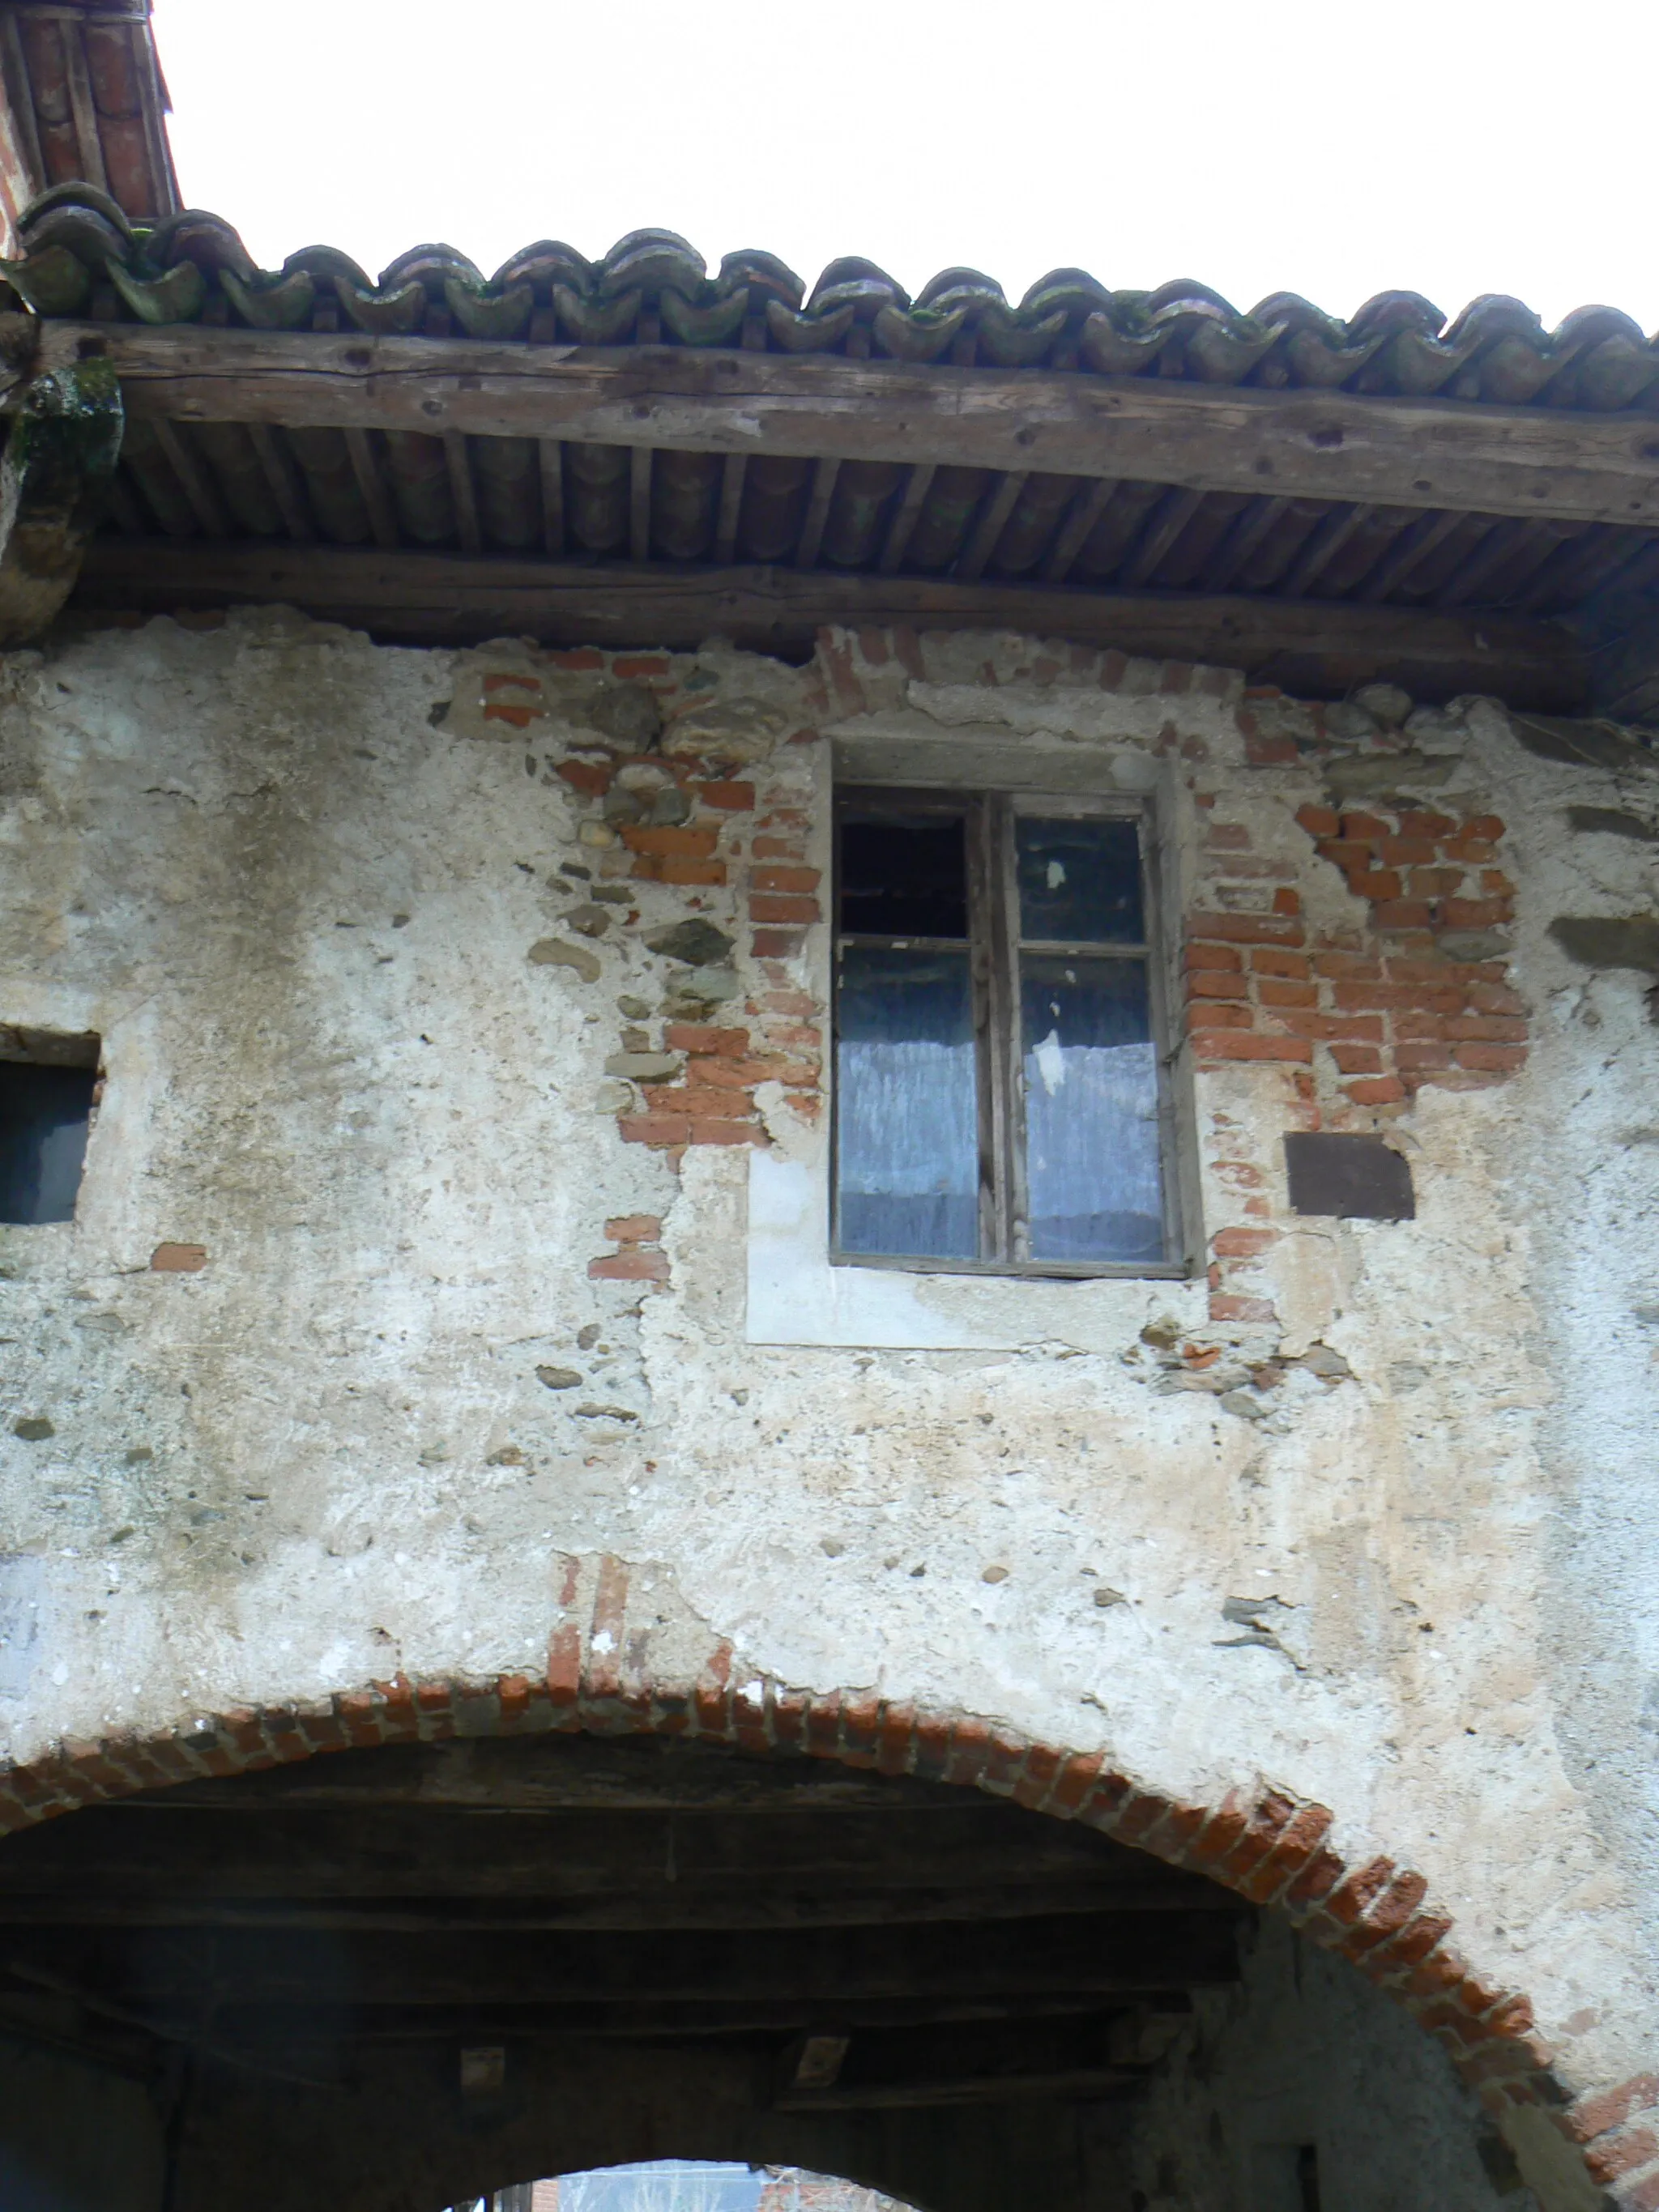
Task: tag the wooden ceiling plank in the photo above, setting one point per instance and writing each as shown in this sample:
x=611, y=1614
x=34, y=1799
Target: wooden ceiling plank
x=287, y=485
x=1497, y=546
x=1323, y=648
x=988, y=526
x=1410, y=453
x=463, y=492
x=906, y=515
x=1326, y=541
x=550, y=453
x=1164, y=527
x=733, y=469
x=195, y=478
x=639, y=503
x=82, y=106
x=817, y=513
x=1409, y=551
x=1241, y=540
x=377, y=498
x=1073, y=536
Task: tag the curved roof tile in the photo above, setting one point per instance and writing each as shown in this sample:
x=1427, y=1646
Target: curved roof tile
x=81, y=255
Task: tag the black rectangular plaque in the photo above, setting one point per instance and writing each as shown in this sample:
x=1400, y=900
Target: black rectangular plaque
x=1356, y=1178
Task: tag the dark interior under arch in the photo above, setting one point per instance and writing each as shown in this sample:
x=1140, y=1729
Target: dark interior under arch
x=391, y=1980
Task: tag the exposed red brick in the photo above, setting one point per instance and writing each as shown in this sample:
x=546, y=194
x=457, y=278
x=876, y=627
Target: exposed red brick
x=1247, y=928
x=1498, y=1059
x=704, y=1037
x=1243, y=1244
x=772, y=906
x=707, y=1131
x=726, y=797
x=1227, y=837
x=630, y=1268
x=1378, y=1091
x=633, y=1228
x=1240, y=1044
x=1594, y=2115
x=1227, y=1305
x=648, y=869
x=177, y=1259
x=775, y=878
x=777, y=944
x=677, y=841
x=779, y=848
x=654, y=1129
x=1273, y=960
x=627, y=666
x=1287, y=902
x=586, y=775
x=1211, y=983
x=1320, y=821
x=1272, y=993
x=1220, y=958
x=580, y=660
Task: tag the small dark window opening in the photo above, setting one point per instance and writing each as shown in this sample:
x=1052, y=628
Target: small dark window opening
x=48, y=1089
x=1001, y=1101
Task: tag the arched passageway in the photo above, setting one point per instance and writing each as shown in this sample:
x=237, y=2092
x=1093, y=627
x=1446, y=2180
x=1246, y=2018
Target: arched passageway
x=387, y=1979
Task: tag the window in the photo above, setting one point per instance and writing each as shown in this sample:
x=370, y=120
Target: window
x=1000, y=1099
x=48, y=1088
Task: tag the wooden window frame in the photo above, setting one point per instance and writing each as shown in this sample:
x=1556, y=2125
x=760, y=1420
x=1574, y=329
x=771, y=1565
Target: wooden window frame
x=989, y=814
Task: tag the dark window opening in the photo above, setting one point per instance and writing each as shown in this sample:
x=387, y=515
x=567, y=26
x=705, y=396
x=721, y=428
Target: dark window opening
x=1001, y=1101
x=48, y=1089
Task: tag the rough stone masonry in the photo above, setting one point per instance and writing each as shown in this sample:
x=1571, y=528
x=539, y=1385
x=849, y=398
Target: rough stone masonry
x=460, y=1010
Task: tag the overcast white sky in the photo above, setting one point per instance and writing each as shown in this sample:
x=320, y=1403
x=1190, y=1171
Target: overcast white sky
x=1326, y=147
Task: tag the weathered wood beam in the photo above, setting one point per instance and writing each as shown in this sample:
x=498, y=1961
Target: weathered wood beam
x=1427, y=452
x=1321, y=649
x=679, y=1905
x=60, y=457
x=1107, y=1955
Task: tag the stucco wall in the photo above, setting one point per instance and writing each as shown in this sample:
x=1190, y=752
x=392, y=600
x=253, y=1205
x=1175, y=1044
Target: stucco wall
x=1366, y=1513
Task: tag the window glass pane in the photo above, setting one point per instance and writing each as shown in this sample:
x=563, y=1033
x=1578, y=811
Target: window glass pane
x=904, y=875
x=907, y=1104
x=1079, y=881
x=1091, y=1083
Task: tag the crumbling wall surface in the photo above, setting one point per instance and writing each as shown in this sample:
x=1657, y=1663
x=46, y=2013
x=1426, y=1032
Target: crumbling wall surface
x=1305, y=2085
x=458, y=1009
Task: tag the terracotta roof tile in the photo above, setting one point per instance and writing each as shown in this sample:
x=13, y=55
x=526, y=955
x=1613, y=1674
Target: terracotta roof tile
x=80, y=254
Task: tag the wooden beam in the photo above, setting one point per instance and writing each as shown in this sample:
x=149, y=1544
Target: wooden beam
x=1241, y=540
x=1107, y=1953
x=903, y=527
x=993, y=520
x=1164, y=525
x=1413, y=452
x=817, y=513
x=1321, y=649
x=463, y=492
x=1322, y=547
x=550, y=453
x=733, y=469
x=366, y=467
x=639, y=503
x=671, y=1905
x=1087, y=510
x=287, y=485
x=197, y=481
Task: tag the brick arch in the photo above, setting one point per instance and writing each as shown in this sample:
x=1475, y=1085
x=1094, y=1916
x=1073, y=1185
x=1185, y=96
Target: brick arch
x=1271, y=1849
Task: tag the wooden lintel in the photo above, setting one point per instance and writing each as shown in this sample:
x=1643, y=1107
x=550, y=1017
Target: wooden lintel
x=1307, y=444
x=1320, y=648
